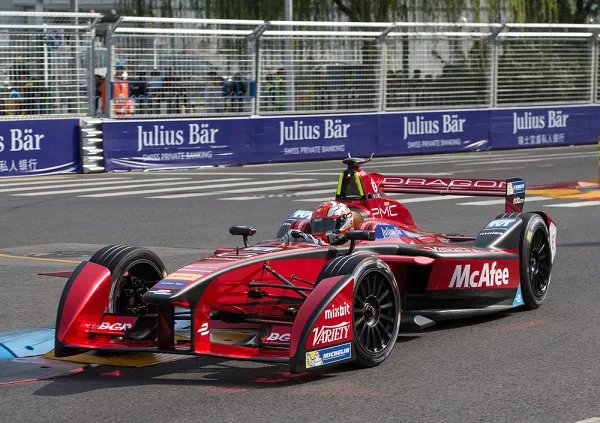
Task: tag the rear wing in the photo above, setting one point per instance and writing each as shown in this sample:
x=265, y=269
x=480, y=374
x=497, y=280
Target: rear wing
x=513, y=189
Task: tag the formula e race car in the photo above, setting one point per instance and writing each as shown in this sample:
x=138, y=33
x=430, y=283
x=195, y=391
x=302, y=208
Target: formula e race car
x=316, y=302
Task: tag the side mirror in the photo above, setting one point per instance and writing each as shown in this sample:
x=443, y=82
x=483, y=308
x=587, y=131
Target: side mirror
x=354, y=236
x=244, y=231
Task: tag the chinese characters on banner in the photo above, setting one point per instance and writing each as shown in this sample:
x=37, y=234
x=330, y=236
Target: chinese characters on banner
x=38, y=147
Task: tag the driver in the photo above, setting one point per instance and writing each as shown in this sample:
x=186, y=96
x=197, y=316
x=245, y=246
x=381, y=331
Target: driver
x=330, y=221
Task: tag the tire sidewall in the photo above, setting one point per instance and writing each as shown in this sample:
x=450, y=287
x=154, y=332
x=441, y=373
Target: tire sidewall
x=367, y=266
x=531, y=223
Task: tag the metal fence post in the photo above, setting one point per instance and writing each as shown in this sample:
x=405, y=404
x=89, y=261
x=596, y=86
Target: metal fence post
x=594, y=65
x=494, y=54
x=382, y=79
x=107, y=112
x=92, y=76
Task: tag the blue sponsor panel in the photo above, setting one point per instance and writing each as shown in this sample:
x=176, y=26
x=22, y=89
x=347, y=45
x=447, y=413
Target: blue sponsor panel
x=39, y=147
x=385, y=231
x=543, y=126
x=433, y=132
x=150, y=144
x=328, y=355
x=300, y=138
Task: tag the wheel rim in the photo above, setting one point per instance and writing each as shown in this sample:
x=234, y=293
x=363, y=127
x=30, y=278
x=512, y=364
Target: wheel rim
x=375, y=313
x=133, y=283
x=539, y=263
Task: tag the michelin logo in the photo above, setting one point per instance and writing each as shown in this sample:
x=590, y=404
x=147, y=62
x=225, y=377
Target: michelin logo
x=329, y=355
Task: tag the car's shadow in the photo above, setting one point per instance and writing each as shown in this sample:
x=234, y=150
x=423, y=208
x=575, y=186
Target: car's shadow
x=219, y=375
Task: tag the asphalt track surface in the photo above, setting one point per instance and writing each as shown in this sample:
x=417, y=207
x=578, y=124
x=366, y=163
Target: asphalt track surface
x=539, y=366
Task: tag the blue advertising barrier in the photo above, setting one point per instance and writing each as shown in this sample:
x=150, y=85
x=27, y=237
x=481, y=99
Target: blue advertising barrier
x=39, y=147
x=153, y=144
x=148, y=144
x=544, y=126
x=433, y=132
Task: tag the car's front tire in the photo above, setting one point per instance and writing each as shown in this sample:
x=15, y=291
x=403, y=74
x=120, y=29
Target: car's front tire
x=376, y=305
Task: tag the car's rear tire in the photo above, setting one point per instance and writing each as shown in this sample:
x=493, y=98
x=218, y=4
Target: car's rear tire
x=376, y=305
x=536, y=260
x=134, y=270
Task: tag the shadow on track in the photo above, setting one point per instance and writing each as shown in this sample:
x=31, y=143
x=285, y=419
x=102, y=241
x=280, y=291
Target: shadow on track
x=212, y=374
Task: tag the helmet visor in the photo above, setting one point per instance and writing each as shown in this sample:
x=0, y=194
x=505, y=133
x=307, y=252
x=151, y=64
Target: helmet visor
x=325, y=225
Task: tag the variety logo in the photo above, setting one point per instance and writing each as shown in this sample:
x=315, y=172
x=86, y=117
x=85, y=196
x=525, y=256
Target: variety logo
x=337, y=311
x=329, y=355
x=328, y=334
x=114, y=326
x=489, y=276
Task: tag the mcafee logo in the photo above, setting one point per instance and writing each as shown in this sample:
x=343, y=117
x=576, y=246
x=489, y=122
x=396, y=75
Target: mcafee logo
x=463, y=277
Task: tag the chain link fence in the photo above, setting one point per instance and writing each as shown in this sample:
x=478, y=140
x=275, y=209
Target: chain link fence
x=312, y=67
x=162, y=67
x=170, y=67
x=544, y=66
x=45, y=64
x=432, y=66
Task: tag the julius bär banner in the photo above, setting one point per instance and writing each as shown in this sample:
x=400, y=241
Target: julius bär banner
x=154, y=144
x=433, y=132
x=39, y=147
x=543, y=126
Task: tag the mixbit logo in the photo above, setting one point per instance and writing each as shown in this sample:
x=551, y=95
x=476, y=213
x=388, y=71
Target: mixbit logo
x=337, y=311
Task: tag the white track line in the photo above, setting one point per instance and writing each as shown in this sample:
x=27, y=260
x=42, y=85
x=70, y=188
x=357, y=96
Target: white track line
x=73, y=184
x=278, y=196
x=502, y=201
x=524, y=160
x=119, y=187
x=199, y=187
x=403, y=200
x=42, y=181
x=245, y=190
x=577, y=204
x=433, y=198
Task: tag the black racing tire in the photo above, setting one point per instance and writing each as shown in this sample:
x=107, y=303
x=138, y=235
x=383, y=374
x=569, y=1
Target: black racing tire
x=536, y=260
x=134, y=270
x=342, y=265
x=376, y=305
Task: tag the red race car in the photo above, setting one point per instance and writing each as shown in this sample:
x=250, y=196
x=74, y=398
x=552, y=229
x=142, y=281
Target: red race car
x=335, y=285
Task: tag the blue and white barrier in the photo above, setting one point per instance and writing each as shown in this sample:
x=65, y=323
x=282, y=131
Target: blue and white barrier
x=147, y=144
x=39, y=147
x=53, y=146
